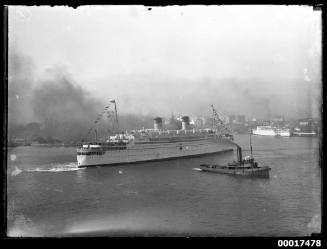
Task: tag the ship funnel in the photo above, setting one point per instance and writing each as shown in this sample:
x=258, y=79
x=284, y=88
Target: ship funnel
x=158, y=123
x=185, y=123
x=239, y=154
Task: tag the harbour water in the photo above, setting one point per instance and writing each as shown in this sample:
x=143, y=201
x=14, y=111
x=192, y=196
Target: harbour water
x=47, y=195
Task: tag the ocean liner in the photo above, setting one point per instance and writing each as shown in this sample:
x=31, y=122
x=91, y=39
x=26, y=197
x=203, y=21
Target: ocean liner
x=157, y=144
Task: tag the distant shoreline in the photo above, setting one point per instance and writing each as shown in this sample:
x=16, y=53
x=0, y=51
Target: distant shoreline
x=43, y=145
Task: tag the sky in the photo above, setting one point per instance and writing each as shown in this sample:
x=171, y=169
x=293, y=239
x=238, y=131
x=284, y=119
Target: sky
x=250, y=60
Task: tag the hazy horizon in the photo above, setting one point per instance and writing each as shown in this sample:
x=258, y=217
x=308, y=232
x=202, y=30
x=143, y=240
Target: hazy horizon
x=252, y=60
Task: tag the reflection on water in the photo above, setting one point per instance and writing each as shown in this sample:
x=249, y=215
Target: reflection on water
x=49, y=197
x=127, y=222
x=80, y=177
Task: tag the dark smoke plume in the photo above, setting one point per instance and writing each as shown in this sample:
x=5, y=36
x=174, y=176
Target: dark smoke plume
x=67, y=109
x=20, y=88
x=59, y=99
x=64, y=110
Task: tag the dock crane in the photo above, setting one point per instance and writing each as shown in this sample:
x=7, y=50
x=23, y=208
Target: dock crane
x=222, y=128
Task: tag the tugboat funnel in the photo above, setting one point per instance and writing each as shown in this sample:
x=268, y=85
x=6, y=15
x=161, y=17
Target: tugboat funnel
x=239, y=154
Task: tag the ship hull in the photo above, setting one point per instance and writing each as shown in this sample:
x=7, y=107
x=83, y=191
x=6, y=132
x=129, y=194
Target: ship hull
x=155, y=152
x=272, y=132
x=264, y=133
x=304, y=134
x=155, y=159
x=256, y=172
x=283, y=133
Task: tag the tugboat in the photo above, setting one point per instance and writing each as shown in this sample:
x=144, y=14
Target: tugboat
x=244, y=167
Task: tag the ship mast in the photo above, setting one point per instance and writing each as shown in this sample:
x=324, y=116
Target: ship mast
x=99, y=117
x=96, y=135
x=251, y=144
x=116, y=116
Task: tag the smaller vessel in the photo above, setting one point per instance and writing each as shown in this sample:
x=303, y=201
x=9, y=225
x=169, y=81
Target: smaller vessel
x=244, y=167
x=271, y=131
x=304, y=134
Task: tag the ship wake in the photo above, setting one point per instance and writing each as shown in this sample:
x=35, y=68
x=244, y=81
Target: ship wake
x=72, y=166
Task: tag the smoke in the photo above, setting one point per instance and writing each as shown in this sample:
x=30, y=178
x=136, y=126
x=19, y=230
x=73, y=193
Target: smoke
x=242, y=65
x=58, y=98
x=65, y=109
x=20, y=88
x=160, y=95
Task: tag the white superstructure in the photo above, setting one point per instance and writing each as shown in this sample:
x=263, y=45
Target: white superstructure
x=271, y=131
x=283, y=132
x=264, y=131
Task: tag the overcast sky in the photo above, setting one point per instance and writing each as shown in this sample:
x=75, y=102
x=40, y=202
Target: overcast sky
x=244, y=59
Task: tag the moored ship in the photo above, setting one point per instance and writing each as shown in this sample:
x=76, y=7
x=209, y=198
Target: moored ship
x=271, y=131
x=264, y=131
x=156, y=144
x=305, y=130
x=304, y=134
x=283, y=132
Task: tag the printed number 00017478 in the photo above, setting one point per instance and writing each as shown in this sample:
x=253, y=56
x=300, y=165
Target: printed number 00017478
x=299, y=243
